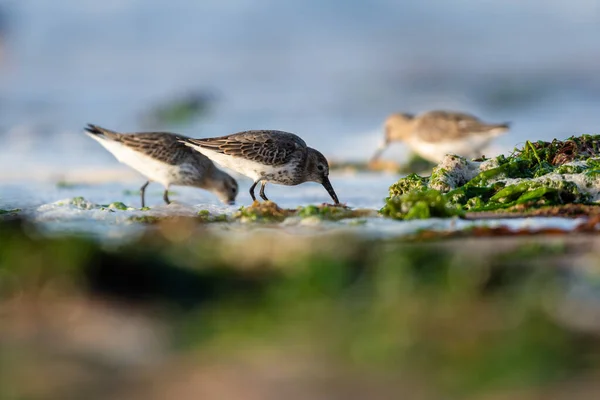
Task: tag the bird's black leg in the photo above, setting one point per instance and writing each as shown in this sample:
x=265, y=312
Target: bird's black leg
x=379, y=151
x=143, y=193
x=166, y=196
x=262, y=191
x=252, y=191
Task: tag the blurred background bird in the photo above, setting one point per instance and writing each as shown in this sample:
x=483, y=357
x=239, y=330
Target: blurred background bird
x=434, y=134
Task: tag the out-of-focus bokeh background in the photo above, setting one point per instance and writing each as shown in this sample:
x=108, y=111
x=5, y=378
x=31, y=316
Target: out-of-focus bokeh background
x=316, y=310
x=330, y=71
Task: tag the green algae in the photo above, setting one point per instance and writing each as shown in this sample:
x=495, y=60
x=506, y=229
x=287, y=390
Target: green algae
x=549, y=190
x=80, y=202
x=266, y=211
x=420, y=204
x=145, y=219
x=117, y=205
x=331, y=213
x=538, y=174
x=504, y=168
x=203, y=216
x=270, y=212
x=206, y=216
x=319, y=212
x=410, y=183
x=83, y=204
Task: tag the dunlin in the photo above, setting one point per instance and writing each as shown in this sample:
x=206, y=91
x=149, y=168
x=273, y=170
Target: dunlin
x=434, y=134
x=160, y=157
x=267, y=156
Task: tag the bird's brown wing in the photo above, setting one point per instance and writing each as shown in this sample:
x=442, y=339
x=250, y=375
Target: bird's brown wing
x=162, y=146
x=263, y=146
x=444, y=125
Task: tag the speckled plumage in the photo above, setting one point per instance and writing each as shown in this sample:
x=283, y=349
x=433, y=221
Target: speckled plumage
x=161, y=157
x=162, y=146
x=266, y=147
x=267, y=156
x=436, y=133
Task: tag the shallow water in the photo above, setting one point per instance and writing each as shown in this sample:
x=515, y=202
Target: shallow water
x=49, y=206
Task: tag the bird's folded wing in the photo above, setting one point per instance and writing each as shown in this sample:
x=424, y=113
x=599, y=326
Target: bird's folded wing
x=164, y=147
x=259, y=146
x=447, y=126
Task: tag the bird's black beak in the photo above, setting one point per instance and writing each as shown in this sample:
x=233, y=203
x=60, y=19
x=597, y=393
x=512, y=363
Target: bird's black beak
x=380, y=150
x=327, y=185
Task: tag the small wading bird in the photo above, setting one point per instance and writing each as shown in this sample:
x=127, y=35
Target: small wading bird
x=160, y=157
x=267, y=156
x=434, y=134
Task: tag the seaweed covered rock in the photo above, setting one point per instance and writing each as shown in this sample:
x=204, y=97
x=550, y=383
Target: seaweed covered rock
x=420, y=204
x=539, y=174
x=452, y=172
x=333, y=213
x=203, y=216
x=207, y=216
x=411, y=183
x=266, y=211
x=270, y=212
x=83, y=204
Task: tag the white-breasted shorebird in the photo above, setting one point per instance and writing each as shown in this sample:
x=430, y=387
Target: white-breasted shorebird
x=267, y=156
x=162, y=158
x=434, y=134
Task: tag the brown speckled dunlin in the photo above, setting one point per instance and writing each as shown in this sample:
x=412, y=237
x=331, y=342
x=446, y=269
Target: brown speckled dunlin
x=267, y=156
x=162, y=158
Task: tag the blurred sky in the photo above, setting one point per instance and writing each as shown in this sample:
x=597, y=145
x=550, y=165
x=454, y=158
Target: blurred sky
x=328, y=70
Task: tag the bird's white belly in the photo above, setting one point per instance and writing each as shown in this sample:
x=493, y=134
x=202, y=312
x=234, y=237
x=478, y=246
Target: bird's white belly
x=152, y=169
x=470, y=146
x=249, y=168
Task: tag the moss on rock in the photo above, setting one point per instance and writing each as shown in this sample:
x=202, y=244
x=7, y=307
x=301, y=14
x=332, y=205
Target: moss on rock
x=81, y=203
x=539, y=174
x=266, y=211
x=331, y=213
x=117, y=205
x=270, y=212
x=419, y=204
x=206, y=216
x=410, y=183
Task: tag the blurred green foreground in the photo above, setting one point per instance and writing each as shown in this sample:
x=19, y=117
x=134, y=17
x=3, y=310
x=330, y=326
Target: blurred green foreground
x=184, y=315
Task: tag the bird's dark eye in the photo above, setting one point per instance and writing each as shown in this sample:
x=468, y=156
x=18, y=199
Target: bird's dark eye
x=320, y=168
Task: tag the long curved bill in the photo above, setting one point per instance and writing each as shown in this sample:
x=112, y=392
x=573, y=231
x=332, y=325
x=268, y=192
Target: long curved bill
x=327, y=185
